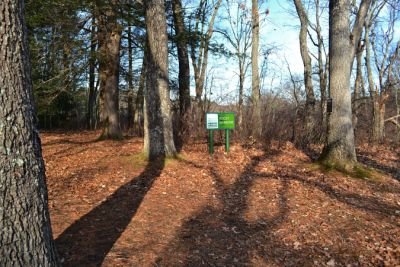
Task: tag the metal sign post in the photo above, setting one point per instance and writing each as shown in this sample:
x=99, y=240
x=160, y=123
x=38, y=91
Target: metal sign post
x=219, y=121
x=211, y=142
x=227, y=140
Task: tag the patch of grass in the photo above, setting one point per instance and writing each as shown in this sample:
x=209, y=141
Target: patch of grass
x=138, y=160
x=355, y=170
x=174, y=160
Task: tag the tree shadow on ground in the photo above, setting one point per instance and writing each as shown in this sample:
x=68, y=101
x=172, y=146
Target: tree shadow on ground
x=366, y=160
x=364, y=203
x=222, y=236
x=363, y=158
x=66, y=141
x=88, y=240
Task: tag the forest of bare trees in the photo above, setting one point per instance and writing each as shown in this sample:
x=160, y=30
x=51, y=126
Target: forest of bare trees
x=89, y=65
x=124, y=68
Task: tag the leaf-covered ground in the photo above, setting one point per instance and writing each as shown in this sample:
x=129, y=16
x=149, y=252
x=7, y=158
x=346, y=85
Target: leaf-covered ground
x=252, y=207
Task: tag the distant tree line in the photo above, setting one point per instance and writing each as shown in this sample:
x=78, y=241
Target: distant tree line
x=90, y=68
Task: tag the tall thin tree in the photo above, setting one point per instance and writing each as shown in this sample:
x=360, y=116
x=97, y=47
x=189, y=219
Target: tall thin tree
x=200, y=44
x=92, y=78
x=184, y=67
x=238, y=32
x=138, y=108
x=308, y=120
x=255, y=75
x=382, y=36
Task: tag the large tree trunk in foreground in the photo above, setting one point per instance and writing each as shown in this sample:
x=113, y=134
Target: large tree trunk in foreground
x=255, y=76
x=158, y=140
x=184, y=68
x=109, y=46
x=26, y=236
x=340, y=145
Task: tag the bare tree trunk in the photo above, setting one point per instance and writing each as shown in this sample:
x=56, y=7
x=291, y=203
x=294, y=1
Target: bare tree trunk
x=184, y=68
x=200, y=61
x=110, y=42
x=384, y=60
x=324, y=102
x=26, y=236
x=358, y=83
x=131, y=111
x=378, y=118
x=391, y=83
x=199, y=47
x=340, y=144
x=377, y=96
x=92, y=77
x=322, y=73
x=241, y=86
x=101, y=37
x=158, y=141
x=140, y=99
x=397, y=101
x=255, y=75
x=308, y=120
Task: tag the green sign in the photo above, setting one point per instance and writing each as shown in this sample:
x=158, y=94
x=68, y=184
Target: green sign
x=220, y=121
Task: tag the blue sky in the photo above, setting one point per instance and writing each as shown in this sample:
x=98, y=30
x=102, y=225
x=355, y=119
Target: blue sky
x=280, y=30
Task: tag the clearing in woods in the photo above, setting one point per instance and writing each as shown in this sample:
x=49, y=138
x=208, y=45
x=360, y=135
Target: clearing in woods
x=253, y=207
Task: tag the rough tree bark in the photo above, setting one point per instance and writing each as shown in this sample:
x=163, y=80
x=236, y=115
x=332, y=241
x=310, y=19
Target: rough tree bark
x=26, y=235
x=255, y=75
x=158, y=139
x=340, y=146
x=109, y=36
x=308, y=120
x=184, y=67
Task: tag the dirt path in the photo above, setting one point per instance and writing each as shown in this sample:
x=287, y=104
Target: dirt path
x=252, y=207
